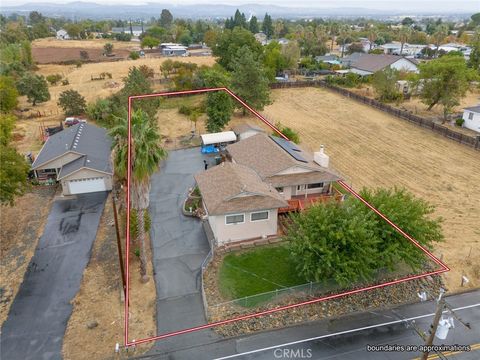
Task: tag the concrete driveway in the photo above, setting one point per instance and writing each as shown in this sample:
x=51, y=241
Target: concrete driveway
x=179, y=249
x=39, y=314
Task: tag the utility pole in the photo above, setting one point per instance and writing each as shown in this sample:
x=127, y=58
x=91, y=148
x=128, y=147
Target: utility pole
x=119, y=244
x=436, y=320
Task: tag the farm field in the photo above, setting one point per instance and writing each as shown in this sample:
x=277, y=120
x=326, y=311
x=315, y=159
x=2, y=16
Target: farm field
x=371, y=148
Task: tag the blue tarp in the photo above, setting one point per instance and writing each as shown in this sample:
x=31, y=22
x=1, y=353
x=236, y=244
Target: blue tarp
x=209, y=149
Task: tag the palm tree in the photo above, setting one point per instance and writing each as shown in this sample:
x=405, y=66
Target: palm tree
x=333, y=32
x=146, y=155
x=344, y=35
x=439, y=36
x=372, y=36
x=403, y=36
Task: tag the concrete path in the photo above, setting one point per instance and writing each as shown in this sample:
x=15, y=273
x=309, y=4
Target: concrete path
x=39, y=314
x=179, y=249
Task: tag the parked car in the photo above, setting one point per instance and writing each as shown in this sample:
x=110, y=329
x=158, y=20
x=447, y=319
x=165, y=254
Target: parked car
x=70, y=121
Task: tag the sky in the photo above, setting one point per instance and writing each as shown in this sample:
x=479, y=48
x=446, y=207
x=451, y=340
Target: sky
x=407, y=5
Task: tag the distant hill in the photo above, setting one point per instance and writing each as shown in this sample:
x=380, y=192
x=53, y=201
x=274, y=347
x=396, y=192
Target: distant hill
x=80, y=10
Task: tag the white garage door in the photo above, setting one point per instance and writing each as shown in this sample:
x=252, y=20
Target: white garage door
x=83, y=186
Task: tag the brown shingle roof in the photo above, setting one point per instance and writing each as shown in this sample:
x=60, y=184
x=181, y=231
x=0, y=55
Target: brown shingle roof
x=268, y=159
x=230, y=188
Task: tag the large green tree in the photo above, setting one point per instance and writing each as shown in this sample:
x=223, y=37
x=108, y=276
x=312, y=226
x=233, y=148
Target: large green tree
x=72, y=102
x=35, y=87
x=267, y=26
x=219, y=105
x=166, y=18
x=474, y=61
x=384, y=82
x=13, y=167
x=150, y=42
x=147, y=154
x=230, y=41
x=8, y=94
x=444, y=81
x=348, y=242
x=249, y=79
x=253, y=25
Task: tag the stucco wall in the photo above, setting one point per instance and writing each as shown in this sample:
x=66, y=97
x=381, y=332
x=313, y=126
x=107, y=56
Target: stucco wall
x=404, y=65
x=248, y=230
x=473, y=124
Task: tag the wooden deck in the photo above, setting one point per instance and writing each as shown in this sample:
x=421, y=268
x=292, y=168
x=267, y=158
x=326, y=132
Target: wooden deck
x=300, y=202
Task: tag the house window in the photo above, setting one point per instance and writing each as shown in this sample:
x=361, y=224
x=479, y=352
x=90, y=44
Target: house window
x=470, y=116
x=257, y=216
x=234, y=219
x=279, y=189
x=315, y=186
x=299, y=187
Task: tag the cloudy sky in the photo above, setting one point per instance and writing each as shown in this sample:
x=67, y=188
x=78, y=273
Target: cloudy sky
x=407, y=5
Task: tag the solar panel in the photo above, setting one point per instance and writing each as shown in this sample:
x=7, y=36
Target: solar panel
x=289, y=147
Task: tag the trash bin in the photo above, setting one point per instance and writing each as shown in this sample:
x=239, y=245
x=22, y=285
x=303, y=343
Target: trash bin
x=218, y=160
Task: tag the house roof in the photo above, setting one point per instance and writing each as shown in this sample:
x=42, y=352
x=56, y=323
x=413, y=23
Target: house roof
x=375, y=62
x=232, y=188
x=242, y=128
x=90, y=141
x=473, y=109
x=268, y=159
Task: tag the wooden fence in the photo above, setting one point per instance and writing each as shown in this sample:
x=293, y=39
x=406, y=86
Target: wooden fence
x=472, y=141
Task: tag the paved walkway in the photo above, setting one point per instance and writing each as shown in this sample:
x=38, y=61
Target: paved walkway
x=39, y=314
x=179, y=249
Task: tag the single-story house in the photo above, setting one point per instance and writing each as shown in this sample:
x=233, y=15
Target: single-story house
x=79, y=158
x=239, y=205
x=243, y=131
x=368, y=64
x=328, y=59
x=471, y=116
x=261, y=38
x=174, y=50
x=62, y=35
x=266, y=175
x=395, y=47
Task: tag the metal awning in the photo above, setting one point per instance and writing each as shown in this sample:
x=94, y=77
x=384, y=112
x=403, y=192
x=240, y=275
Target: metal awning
x=218, y=138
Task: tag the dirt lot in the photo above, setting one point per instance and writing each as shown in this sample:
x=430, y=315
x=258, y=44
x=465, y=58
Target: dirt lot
x=21, y=227
x=373, y=149
x=99, y=301
x=81, y=44
x=50, y=55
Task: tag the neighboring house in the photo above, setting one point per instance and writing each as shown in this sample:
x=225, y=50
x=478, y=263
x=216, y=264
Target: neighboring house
x=329, y=59
x=267, y=175
x=77, y=157
x=62, y=35
x=135, y=30
x=368, y=64
x=471, y=116
x=244, y=131
x=283, y=41
x=394, y=48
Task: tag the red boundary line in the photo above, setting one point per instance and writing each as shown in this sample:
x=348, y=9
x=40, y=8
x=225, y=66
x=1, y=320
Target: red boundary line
x=443, y=267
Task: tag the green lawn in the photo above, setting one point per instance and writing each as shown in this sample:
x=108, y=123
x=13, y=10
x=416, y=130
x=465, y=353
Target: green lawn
x=257, y=271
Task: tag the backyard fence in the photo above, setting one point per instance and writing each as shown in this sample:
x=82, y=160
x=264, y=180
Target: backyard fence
x=472, y=141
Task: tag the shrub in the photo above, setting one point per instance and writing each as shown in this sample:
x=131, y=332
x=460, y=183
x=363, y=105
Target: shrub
x=288, y=132
x=185, y=109
x=65, y=82
x=54, y=78
x=84, y=55
x=147, y=71
x=78, y=63
x=459, y=122
x=134, y=55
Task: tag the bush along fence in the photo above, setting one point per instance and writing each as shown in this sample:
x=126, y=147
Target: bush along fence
x=471, y=141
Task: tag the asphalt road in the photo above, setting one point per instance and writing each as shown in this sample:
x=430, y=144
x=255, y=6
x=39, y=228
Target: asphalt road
x=346, y=337
x=179, y=249
x=39, y=314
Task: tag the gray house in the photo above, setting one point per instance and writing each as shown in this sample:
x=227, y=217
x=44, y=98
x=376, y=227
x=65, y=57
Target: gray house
x=77, y=157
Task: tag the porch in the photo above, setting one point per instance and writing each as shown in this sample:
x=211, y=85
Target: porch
x=302, y=202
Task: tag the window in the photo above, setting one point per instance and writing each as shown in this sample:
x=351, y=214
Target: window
x=257, y=216
x=279, y=189
x=234, y=219
x=470, y=116
x=299, y=187
x=315, y=186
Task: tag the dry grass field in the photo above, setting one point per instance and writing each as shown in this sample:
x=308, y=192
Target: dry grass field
x=82, y=44
x=80, y=79
x=371, y=148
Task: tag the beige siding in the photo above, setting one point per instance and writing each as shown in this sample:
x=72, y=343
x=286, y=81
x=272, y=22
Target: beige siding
x=304, y=190
x=60, y=161
x=248, y=230
x=85, y=174
x=294, y=170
